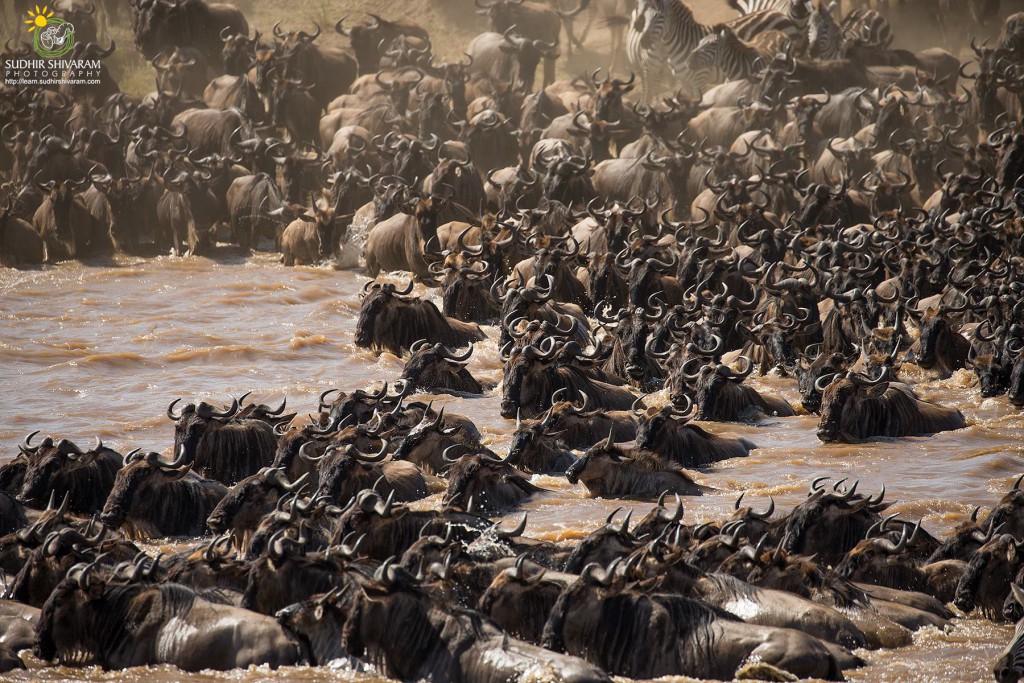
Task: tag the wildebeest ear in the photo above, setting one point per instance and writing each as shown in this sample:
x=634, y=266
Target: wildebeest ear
x=877, y=390
x=307, y=219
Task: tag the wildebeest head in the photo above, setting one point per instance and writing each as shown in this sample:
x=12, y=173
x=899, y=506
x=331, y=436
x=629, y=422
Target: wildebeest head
x=250, y=499
x=830, y=523
x=880, y=561
x=482, y=483
x=1008, y=514
x=438, y=368
x=528, y=54
x=841, y=395
x=986, y=582
x=809, y=370
x=192, y=423
x=318, y=623
x=535, y=448
x=52, y=465
x=526, y=386
x=138, y=482
x=375, y=312
x=712, y=383
x=426, y=442
x=604, y=545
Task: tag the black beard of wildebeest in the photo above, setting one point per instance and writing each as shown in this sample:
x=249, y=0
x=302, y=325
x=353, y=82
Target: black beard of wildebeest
x=87, y=620
x=220, y=445
x=437, y=369
x=63, y=469
x=392, y=323
x=152, y=498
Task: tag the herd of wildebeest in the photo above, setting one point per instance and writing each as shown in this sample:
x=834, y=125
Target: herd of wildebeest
x=826, y=219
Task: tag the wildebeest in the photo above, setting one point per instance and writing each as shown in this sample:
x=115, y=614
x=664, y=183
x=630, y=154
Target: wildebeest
x=63, y=469
x=185, y=23
x=483, y=484
x=391, y=322
x=533, y=378
x=668, y=433
x=220, y=445
x=684, y=637
x=152, y=498
x=855, y=407
x=608, y=469
x=249, y=500
x=721, y=396
x=92, y=616
x=438, y=369
x=393, y=611
x=344, y=472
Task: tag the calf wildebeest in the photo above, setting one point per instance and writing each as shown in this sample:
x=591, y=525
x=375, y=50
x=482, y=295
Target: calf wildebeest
x=92, y=616
x=152, y=498
x=391, y=322
x=855, y=408
x=220, y=445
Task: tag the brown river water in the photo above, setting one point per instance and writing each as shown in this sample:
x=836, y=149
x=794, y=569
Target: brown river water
x=100, y=349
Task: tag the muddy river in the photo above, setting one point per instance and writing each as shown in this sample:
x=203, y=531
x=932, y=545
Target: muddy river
x=100, y=349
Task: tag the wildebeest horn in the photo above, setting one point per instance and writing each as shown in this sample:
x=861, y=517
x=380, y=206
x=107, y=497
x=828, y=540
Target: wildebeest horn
x=25, y=446
x=206, y=410
x=170, y=410
x=518, y=531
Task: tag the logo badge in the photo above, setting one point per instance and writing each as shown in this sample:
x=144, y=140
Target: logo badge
x=52, y=37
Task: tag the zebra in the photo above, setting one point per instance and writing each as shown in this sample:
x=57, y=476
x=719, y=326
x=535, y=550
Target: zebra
x=1010, y=665
x=662, y=33
x=745, y=7
x=724, y=56
x=791, y=19
x=867, y=27
x=825, y=39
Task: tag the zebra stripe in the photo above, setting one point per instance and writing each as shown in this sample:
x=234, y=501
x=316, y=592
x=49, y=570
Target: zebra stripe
x=662, y=32
x=745, y=7
x=868, y=28
x=824, y=36
x=722, y=56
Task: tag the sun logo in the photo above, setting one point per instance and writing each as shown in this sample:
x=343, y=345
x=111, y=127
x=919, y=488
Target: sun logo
x=51, y=36
x=38, y=19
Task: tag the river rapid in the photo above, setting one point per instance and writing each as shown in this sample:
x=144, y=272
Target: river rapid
x=100, y=349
